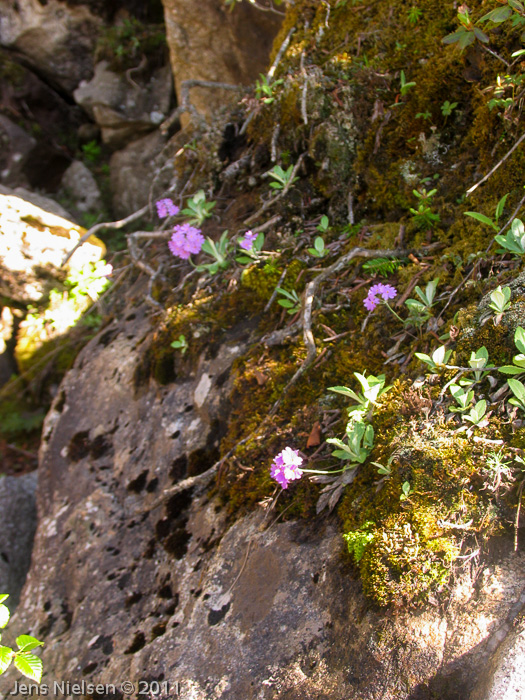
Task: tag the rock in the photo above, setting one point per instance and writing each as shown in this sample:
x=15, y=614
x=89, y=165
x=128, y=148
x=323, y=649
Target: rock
x=504, y=677
x=123, y=107
x=35, y=237
x=121, y=583
x=222, y=45
x=79, y=186
x=17, y=145
x=132, y=171
x=55, y=38
x=18, y=514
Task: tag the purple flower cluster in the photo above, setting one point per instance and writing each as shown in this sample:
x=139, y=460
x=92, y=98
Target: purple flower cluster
x=386, y=291
x=285, y=467
x=185, y=240
x=165, y=207
x=248, y=240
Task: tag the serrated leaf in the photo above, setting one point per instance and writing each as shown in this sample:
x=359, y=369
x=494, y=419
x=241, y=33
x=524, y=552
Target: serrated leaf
x=25, y=642
x=4, y=615
x=6, y=656
x=29, y=665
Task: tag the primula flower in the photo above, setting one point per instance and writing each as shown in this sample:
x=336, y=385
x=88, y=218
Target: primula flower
x=386, y=291
x=248, y=240
x=285, y=467
x=165, y=207
x=185, y=240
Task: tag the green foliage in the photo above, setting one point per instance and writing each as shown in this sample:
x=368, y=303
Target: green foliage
x=406, y=490
x=382, y=266
x=437, y=360
x=447, y=108
x=372, y=390
x=420, y=310
x=264, y=88
x=291, y=301
x=359, y=443
x=414, y=14
x=283, y=178
x=500, y=300
x=423, y=216
x=486, y=219
x=467, y=33
x=198, y=209
x=319, y=250
x=359, y=539
x=91, y=151
x=404, y=84
x=218, y=251
x=324, y=224
x=28, y=664
x=255, y=253
x=180, y=344
x=518, y=390
x=477, y=413
x=463, y=398
x=518, y=366
x=124, y=43
x=514, y=240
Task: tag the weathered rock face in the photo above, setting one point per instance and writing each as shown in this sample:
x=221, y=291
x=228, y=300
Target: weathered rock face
x=125, y=108
x=35, y=236
x=132, y=171
x=208, y=42
x=123, y=587
x=57, y=39
x=18, y=514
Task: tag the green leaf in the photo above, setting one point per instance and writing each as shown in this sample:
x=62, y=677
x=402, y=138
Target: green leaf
x=500, y=206
x=4, y=615
x=345, y=391
x=3, y=597
x=516, y=5
x=26, y=642
x=6, y=656
x=519, y=339
x=511, y=369
x=480, y=36
x=481, y=217
x=319, y=244
x=29, y=665
x=498, y=15
x=517, y=388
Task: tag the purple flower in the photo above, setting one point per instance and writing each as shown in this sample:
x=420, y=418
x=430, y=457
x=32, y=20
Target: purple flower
x=285, y=467
x=185, y=240
x=248, y=240
x=386, y=291
x=165, y=207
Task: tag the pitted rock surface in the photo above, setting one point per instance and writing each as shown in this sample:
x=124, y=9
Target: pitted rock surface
x=122, y=589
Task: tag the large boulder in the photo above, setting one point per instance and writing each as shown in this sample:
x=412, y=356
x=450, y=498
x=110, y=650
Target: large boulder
x=35, y=236
x=127, y=585
x=57, y=39
x=207, y=41
x=18, y=515
x=125, y=107
x=132, y=172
